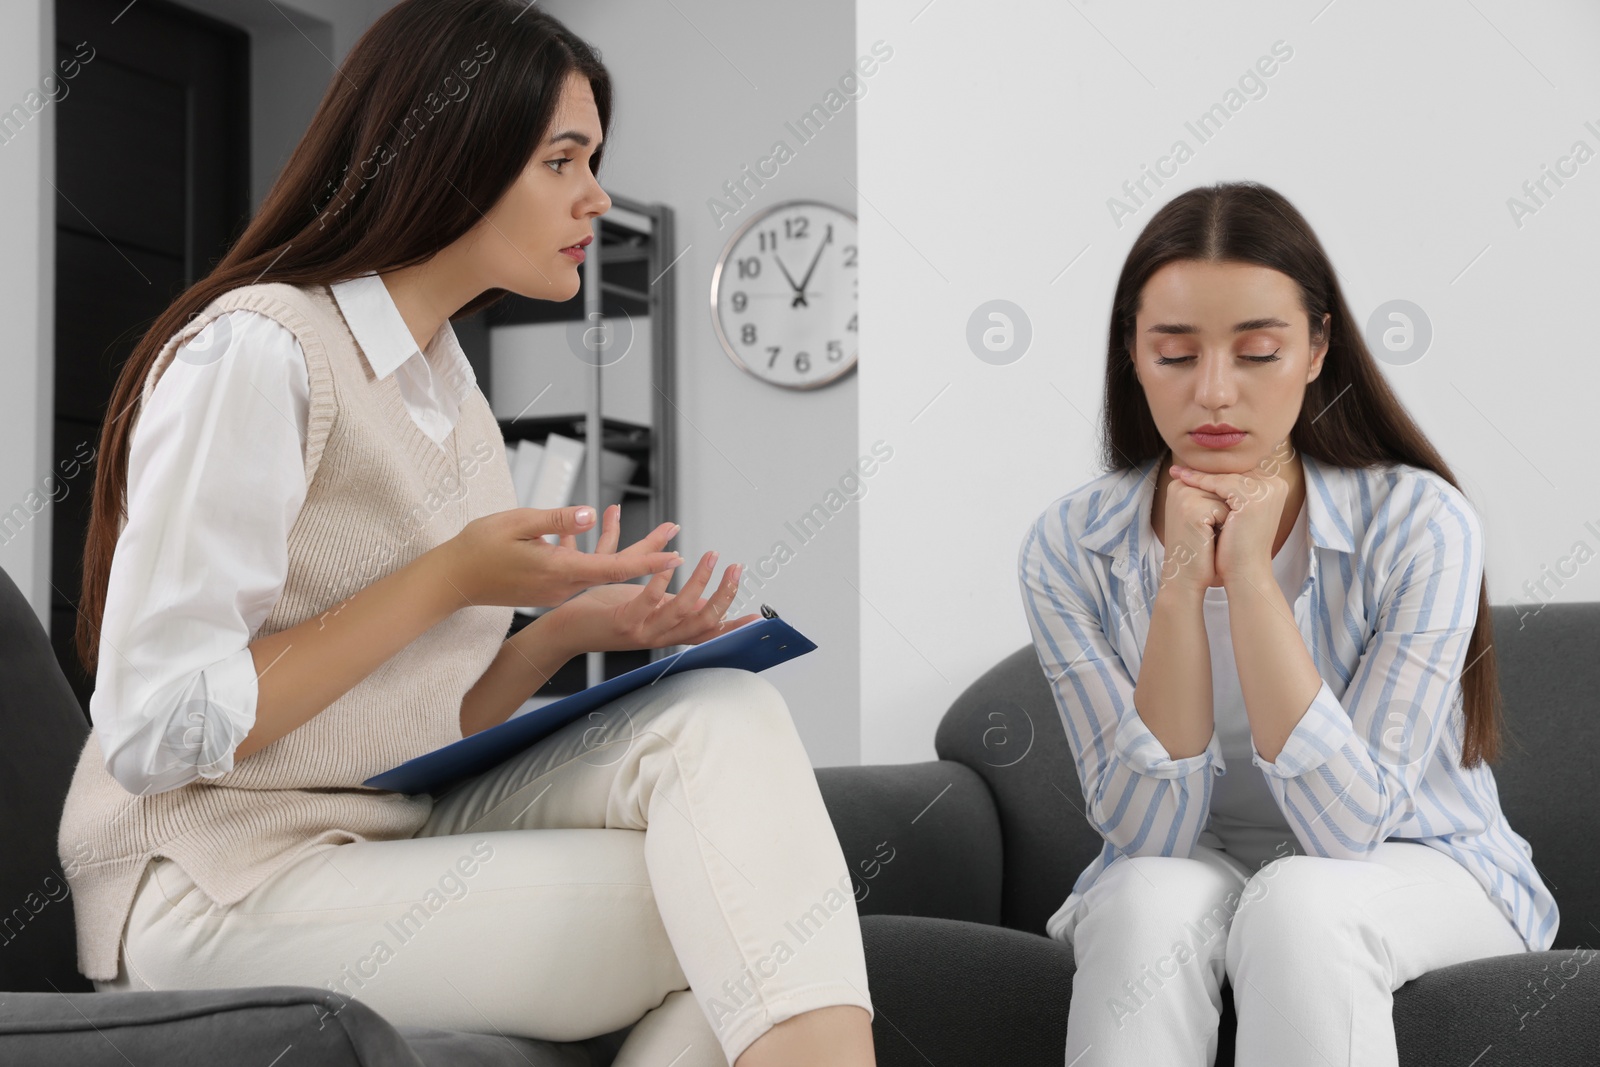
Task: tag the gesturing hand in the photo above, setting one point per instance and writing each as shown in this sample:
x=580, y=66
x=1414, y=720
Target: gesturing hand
x=503, y=559
x=624, y=616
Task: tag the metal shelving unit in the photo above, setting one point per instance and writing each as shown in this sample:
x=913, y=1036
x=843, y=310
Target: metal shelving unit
x=645, y=259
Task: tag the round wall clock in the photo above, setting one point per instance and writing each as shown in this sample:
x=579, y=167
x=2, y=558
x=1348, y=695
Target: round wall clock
x=783, y=295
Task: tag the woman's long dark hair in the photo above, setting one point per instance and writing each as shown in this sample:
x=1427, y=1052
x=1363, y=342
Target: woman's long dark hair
x=431, y=117
x=1245, y=222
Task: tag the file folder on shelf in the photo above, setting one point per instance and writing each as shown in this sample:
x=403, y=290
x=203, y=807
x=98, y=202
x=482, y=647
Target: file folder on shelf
x=755, y=646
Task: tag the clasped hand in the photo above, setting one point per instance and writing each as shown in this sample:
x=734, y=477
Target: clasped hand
x=1226, y=524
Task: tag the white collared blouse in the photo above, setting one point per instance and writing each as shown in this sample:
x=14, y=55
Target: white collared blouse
x=1386, y=610
x=216, y=478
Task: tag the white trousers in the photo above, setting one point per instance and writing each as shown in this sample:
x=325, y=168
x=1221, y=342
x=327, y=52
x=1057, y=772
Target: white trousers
x=666, y=860
x=1314, y=949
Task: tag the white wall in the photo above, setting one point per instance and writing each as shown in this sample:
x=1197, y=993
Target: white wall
x=703, y=89
x=27, y=294
x=989, y=151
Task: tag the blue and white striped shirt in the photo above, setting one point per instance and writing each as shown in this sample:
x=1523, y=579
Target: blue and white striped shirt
x=1386, y=611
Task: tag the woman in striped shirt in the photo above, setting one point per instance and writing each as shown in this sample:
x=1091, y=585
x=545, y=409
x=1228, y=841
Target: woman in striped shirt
x=1266, y=630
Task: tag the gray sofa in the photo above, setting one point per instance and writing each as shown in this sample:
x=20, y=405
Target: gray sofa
x=960, y=970
x=957, y=862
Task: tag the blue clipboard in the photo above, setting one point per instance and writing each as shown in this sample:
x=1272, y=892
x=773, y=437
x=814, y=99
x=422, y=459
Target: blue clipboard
x=755, y=646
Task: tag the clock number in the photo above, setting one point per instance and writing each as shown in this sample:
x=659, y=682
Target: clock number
x=811, y=337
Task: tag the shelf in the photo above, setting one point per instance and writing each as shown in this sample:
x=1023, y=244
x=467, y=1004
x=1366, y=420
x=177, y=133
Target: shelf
x=623, y=290
x=616, y=434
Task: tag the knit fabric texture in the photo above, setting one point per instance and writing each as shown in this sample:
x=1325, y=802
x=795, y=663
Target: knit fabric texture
x=380, y=493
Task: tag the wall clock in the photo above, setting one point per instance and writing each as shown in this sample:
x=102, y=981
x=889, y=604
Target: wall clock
x=783, y=295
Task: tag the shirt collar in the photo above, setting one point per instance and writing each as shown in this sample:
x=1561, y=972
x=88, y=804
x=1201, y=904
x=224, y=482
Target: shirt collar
x=1119, y=530
x=385, y=339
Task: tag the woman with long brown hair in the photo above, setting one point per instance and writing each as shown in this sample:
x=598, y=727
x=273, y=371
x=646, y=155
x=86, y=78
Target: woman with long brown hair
x=300, y=572
x=1267, y=633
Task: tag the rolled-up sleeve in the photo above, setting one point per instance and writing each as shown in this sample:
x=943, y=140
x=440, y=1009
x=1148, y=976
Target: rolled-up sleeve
x=1350, y=771
x=1142, y=801
x=216, y=477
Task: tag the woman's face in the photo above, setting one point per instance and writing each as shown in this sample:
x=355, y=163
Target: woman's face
x=1223, y=345
x=551, y=206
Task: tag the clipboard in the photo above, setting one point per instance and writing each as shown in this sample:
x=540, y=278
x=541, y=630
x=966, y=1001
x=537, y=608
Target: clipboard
x=754, y=646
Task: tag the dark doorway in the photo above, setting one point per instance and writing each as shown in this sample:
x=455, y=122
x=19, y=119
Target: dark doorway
x=152, y=165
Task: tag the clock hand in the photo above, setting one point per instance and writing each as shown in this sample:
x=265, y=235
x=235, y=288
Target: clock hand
x=801, y=299
x=785, y=270
x=799, y=290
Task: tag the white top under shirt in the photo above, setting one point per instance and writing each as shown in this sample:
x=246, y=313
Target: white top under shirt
x=216, y=479
x=1245, y=821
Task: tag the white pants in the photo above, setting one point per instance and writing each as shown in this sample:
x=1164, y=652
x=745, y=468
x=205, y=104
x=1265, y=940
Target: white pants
x=675, y=839
x=1314, y=949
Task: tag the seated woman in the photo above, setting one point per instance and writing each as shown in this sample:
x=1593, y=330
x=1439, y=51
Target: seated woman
x=300, y=572
x=1266, y=630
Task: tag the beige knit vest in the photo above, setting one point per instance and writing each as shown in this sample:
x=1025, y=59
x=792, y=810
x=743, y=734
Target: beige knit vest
x=380, y=493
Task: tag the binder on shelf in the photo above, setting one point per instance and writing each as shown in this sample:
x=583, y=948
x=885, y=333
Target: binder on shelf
x=754, y=646
x=545, y=476
x=558, y=475
x=537, y=487
x=525, y=459
x=616, y=473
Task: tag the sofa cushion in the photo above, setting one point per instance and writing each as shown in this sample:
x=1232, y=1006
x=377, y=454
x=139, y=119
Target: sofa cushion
x=456, y=1048
x=179, y=1028
x=44, y=729
x=195, y=1027
x=951, y=992
x=1532, y=1007
x=1002, y=995
x=1546, y=775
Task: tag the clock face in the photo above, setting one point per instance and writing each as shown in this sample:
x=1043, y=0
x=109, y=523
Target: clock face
x=783, y=296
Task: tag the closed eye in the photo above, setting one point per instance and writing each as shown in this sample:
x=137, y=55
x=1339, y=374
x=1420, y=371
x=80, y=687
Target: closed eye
x=1163, y=361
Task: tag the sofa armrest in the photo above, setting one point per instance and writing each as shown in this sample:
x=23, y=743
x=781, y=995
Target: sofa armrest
x=1532, y=1007
x=962, y=993
x=919, y=838
x=197, y=1028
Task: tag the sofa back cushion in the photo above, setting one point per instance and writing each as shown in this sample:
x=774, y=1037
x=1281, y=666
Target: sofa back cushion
x=42, y=730
x=1549, y=664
